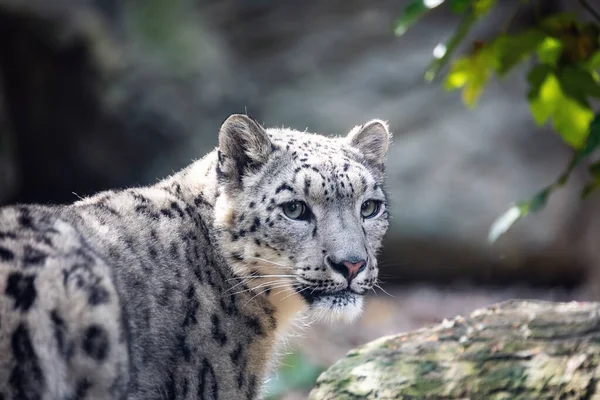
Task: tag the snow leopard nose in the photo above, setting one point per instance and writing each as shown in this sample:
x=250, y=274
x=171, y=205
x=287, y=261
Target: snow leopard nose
x=348, y=268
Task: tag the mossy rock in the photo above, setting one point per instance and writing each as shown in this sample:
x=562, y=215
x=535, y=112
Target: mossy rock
x=513, y=350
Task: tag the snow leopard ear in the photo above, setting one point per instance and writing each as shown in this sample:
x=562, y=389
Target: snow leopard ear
x=243, y=147
x=372, y=140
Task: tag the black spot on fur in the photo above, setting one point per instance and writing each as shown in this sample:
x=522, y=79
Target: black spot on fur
x=200, y=200
x=25, y=219
x=255, y=224
x=240, y=378
x=33, y=256
x=170, y=389
x=173, y=250
x=95, y=342
x=306, y=186
x=208, y=388
x=253, y=323
x=282, y=187
x=6, y=254
x=105, y=207
x=252, y=204
x=175, y=207
x=236, y=354
x=191, y=308
x=7, y=235
x=22, y=289
x=183, y=348
x=251, y=394
x=139, y=197
x=153, y=252
x=81, y=390
x=60, y=335
x=97, y=295
x=217, y=332
x=228, y=304
x=26, y=378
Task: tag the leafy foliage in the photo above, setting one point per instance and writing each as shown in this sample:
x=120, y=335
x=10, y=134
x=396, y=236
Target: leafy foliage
x=563, y=55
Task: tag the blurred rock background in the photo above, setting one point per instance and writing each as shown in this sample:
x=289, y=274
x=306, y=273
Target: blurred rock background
x=96, y=94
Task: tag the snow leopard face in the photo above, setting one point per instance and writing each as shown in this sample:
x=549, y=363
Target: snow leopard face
x=302, y=215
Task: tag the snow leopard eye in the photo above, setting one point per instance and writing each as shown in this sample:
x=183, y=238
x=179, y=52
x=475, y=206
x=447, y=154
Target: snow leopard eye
x=370, y=208
x=295, y=210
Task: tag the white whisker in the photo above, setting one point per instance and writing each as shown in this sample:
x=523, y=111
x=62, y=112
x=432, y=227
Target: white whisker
x=383, y=290
x=261, y=292
x=271, y=262
x=251, y=278
x=272, y=285
x=293, y=293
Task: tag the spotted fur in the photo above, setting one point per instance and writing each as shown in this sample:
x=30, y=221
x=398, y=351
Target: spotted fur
x=183, y=290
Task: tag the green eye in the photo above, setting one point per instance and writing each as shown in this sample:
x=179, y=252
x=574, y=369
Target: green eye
x=370, y=208
x=295, y=210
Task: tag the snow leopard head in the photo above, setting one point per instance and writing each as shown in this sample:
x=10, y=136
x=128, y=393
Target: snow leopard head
x=303, y=215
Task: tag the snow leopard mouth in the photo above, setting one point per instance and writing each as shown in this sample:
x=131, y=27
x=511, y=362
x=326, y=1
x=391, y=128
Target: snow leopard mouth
x=340, y=296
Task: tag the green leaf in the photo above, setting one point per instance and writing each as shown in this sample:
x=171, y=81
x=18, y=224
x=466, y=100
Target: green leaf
x=572, y=121
x=594, y=170
x=512, y=49
x=482, y=7
x=579, y=83
x=549, y=51
x=412, y=13
x=504, y=222
x=591, y=144
x=537, y=202
x=593, y=63
x=543, y=93
x=556, y=24
x=536, y=77
x=458, y=76
x=590, y=188
x=570, y=118
x=459, y=6
x=472, y=73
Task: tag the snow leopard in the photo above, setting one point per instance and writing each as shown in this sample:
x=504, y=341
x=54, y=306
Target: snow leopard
x=185, y=289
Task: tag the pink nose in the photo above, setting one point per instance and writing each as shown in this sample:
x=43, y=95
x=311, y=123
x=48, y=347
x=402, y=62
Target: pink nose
x=348, y=268
x=354, y=268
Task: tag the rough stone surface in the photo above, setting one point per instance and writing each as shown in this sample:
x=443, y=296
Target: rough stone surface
x=513, y=350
